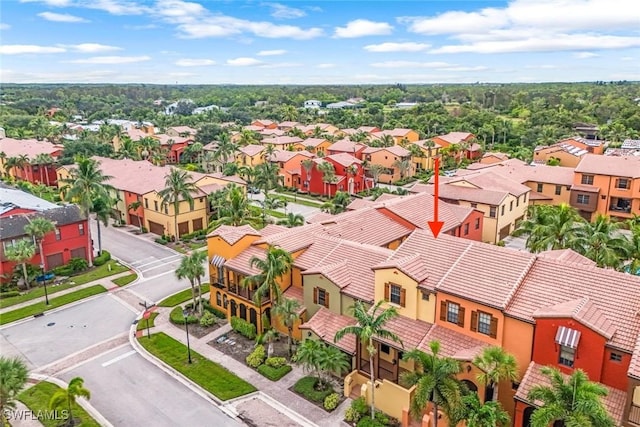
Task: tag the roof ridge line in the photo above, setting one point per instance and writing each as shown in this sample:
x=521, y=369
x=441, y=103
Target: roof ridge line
x=519, y=281
x=454, y=265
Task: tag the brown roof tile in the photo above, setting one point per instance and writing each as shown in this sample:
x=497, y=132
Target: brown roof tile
x=231, y=234
x=30, y=147
x=627, y=166
x=326, y=323
x=583, y=311
x=452, y=343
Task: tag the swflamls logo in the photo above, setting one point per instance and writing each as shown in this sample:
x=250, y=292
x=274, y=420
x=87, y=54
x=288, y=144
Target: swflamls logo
x=25, y=415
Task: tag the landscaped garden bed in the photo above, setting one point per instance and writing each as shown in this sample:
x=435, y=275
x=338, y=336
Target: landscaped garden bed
x=321, y=393
x=37, y=399
x=198, y=327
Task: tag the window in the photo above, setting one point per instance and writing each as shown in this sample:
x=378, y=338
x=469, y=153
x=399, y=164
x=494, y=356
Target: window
x=58, y=234
x=567, y=356
x=492, y=212
x=146, y=203
x=394, y=294
x=166, y=209
x=558, y=190
x=477, y=223
x=385, y=349
x=453, y=312
x=425, y=296
x=155, y=205
x=616, y=357
x=218, y=299
x=484, y=323
x=583, y=199
x=622, y=183
x=466, y=229
x=502, y=210
x=587, y=179
x=510, y=206
x=518, y=201
x=321, y=297
x=540, y=186
x=474, y=205
x=81, y=229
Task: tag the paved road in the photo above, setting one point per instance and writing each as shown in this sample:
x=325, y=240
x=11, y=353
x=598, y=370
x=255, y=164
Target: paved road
x=130, y=391
x=305, y=211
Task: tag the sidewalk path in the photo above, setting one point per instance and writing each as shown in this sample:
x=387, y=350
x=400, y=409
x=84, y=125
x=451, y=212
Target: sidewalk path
x=278, y=390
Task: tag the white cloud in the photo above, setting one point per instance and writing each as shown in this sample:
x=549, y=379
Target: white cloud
x=61, y=17
x=585, y=55
x=363, y=27
x=141, y=27
x=281, y=11
x=4, y=26
x=110, y=60
x=271, y=52
x=326, y=65
x=56, y=3
x=114, y=7
x=92, y=47
x=444, y=66
x=397, y=47
x=627, y=58
x=282, y=65
x=194, y=62
x=243, y=62
x=19, y=49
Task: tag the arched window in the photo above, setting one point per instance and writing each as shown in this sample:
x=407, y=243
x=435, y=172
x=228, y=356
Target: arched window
x=243, y=311
x=218, y=299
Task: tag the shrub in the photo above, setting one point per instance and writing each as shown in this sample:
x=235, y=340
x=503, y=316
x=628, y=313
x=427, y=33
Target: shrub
x=368, y=422
x=276, y=362
x=274, y=374
x=357, y=410
x=63, y=270
x=161, y=241
x=331, y=401
x=351, y=415
x=102, y=259
x=244, y=328
x=144, y=230
x=207, y=320
x=78, y=264
x=306, y=386
x=9, y=294
x=177, y=317
x=257, y=356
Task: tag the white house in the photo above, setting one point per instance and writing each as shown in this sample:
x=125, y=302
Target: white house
x=312, y=103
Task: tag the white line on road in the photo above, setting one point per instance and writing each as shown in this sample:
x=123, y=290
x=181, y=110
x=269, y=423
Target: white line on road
x=146, y=279
x=119, y=358
x=142, y=261
x=157, y=266
x=141, y=266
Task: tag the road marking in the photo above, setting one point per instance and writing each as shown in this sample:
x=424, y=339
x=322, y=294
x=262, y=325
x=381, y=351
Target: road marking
x=158, y=266
x=146, y=279
x=141, y=266
x=143, y=260
x=119, y=358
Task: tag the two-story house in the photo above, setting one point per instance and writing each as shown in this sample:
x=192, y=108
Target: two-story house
x=290, y=166
x=348, y=175
x=36, y=160
x=395, y=159
x=250, y=155
x=423, y=157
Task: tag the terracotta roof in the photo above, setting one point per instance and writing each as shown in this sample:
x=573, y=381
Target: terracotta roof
x=326, y=323
x=231, y=234
x=583, y=311
x=458, y=192
x=410, y=331
x=367, y=225
x=359, y=204
x=585, y=188
x=210, y=188
x=534, y=195
x=367, y=129
x=551, y=282
x=386, y=197
x=166, y=139
x=346, y=146
x=493, y=287
x=418, y=210
x=489, y=180
x=344, y=159
x=253, y=128
x=30, y=147
x=501, y=156
x=614, y=401
x=296, y=293
x=395, y=150
x=313, y=142
x=286, y=155
x=270, y=229
x=521, y=172
x=634, y=365
x=251, y=149
x=292, y=239
x=627, y=166
x=288, y=124
x=318, y=217
x=423, y=144
x=455, y=137
x=452, y=343
x=282, y=140
x=271, y=132
x=184, y=129
x=567, y=256
x=242, y=262
x=264, y=122
x=414, y=266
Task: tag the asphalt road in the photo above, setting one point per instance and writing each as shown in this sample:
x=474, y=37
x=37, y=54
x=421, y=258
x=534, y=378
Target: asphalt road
x=130, y=391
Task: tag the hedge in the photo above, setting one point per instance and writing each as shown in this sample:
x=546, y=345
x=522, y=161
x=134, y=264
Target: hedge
x=177, y=317
x=102, y=259
x=274, y=374
x=244, y=328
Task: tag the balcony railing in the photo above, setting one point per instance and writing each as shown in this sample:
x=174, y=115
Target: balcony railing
x=244, y=292
x=616, y=208
x=634, y=415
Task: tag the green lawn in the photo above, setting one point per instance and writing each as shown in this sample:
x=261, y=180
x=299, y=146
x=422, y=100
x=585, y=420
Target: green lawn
x=181, y=297
x=34, y=293
x=125, y=280
x=142, y=323
x=209, y=375
x=39, y=307
x=37, y=399
x=301, y=201
x=99, y=273
x=276, y=214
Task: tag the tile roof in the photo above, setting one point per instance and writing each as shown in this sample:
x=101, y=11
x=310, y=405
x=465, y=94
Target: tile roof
x=168, y=139
x=614, y=401
x=282, y=140
x=418, y=210
x=296, y=293
x=326, y=323
x=459, y=192
x=583, y=311
x=493, y=287
x=231, y=234
x=423, y=144
x=272, y=132
x=367, y=225
x=292, y=239
x=395, y=150
x=184, y=129
x=489, y=180
x=634, y=365
x=313, y=142
x=288, y=124
x=455, y=137
x=346, y=146
x=521, y=172
x=359, y=204
x=251, y=149
x=410, y=331
x=286, y=155
x=13, y=225
x=452, y=343
x=628, y=166
x=551, y=282
x=386, y=197
x=270, y=229
x=242, y=262
x=567, y=256
x=414, y=266
x=344, y=159
x=30, y=147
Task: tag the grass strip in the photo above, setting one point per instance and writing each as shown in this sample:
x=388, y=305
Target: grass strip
x=99, y=273
x=209, y=375
x=33, y=294
x=274, y=374
x=301, y=201
x=40, y=307
x=37, y=400
x=180, y=297
x=125, y=280
x=142, y=323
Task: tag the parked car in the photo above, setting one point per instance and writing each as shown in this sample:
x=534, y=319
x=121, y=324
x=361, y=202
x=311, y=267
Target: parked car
x=253, y=190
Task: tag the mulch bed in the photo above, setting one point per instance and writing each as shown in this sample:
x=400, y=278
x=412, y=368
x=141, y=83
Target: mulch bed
x=235, y=345
x=198, y=331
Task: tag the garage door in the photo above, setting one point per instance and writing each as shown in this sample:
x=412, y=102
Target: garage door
x=78, y=253
x=197, y=224
x=504, y=232
x=54, y=260
x=134, y=220
x=183, y=228
x=156, y=228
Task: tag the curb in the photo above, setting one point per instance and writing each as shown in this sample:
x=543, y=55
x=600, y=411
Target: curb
x=100, y=419
x=177, y=375
x=130, y=267
x=275, y=404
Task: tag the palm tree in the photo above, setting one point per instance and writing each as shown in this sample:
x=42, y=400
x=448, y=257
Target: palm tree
x=370, y=324
x=307, y=165
x=602, y=242
x=477, y=414
x=404, y=167
x=551, y=227
x=376, y=170
x=435, y=381
x=178, y=186
x=328, y=173
x=191, y=268
x=496, y=365
x=308, y=356
x=288, y=312
x=292, y=220
x=37, y=228
x=332, y=361
x=234, y=208
x=21, y=252
x=134, y=206
x=634, y=251
x=102, y=208
x=68, y=396
x=572, y=400
x=86, y=184
x=43, y=160
x=387, y=141
x=13, y=377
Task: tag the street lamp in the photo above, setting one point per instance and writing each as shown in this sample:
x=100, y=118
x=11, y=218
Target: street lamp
x=185, y=313
x=44, y=281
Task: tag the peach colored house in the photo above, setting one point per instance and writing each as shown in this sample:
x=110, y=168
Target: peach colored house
x=471, y=150
x=400, y=136
x=389, y=158
x=428, y=151
x=313, y=145
x=289, y=165
x=250, y=155
x=282, y=142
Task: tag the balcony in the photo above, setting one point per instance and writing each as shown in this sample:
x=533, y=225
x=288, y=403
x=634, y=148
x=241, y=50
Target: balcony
x=634, y=415
x=619, y=204
x=244, y=292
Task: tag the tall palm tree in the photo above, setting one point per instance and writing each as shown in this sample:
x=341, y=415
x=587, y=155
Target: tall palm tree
x=102, y=209
x=551, y=227
x=69, y=395
x=572, y=400
x=477, y=414
x=43, y=160
x=13, y=377
x=288, y=313
x=292, y=220
x=134, y=206
x=328, y=174
x=496, y=365
x=370, y=324
x=21, y=252
x=234, y=207
x=602, y=242
x=404, y=167
x=376, y=170
x=37, y=228
x=307, y=165
x=191, y=268
x=86, y=184
x=178, y=187
x=435, y=381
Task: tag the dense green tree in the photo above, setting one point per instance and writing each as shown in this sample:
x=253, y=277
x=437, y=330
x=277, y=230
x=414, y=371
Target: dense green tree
x=13, y=378
x=495, y=365
x=276, y=263
x=67, y=397
x=551, y=227
x=37, y=228
x=288, y=312
x=178, y=187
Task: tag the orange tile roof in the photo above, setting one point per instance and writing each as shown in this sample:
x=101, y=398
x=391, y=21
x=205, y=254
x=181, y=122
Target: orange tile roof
x=455, y=137
x=184, y=129
x=410, y=331
x=489, y=180
x=288, y=124
x=418, y=210
x=367, y=225
x=414, y=266
x=30, y=147
x=282, y=140
x=286, y=155
x=627, y=166
x=270, y=229
x=395, y=150
x=458, y=192
x=359, y=204
x=296, y=293
x=452, y=343
x=551, y=282
x=346, y=146
x=326, y=324
x=271, y=132
x=251, y=149
x=313, y=142
x=344, y=159
x=583, y=311
x=423, y=144
x=614, y=401
x=231, y=234
x=242, y=262
x=167, y=139
x=566, y=255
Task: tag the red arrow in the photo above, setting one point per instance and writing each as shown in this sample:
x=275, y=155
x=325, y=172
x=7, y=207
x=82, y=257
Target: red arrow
x=436, y=225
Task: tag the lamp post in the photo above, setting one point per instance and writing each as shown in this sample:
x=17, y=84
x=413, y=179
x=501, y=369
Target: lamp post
x=186, y=328
x=44, y=281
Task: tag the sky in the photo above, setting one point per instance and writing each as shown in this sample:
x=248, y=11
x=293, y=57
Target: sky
x=318, y=42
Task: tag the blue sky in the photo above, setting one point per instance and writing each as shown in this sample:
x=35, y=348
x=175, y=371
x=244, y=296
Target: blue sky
x=320, y=42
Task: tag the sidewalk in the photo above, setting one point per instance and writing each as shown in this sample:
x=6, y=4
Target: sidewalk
x=279, y=390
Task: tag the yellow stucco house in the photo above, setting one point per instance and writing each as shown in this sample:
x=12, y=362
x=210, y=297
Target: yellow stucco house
x=389, y=158
x=428, y=151
x=250, y=155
